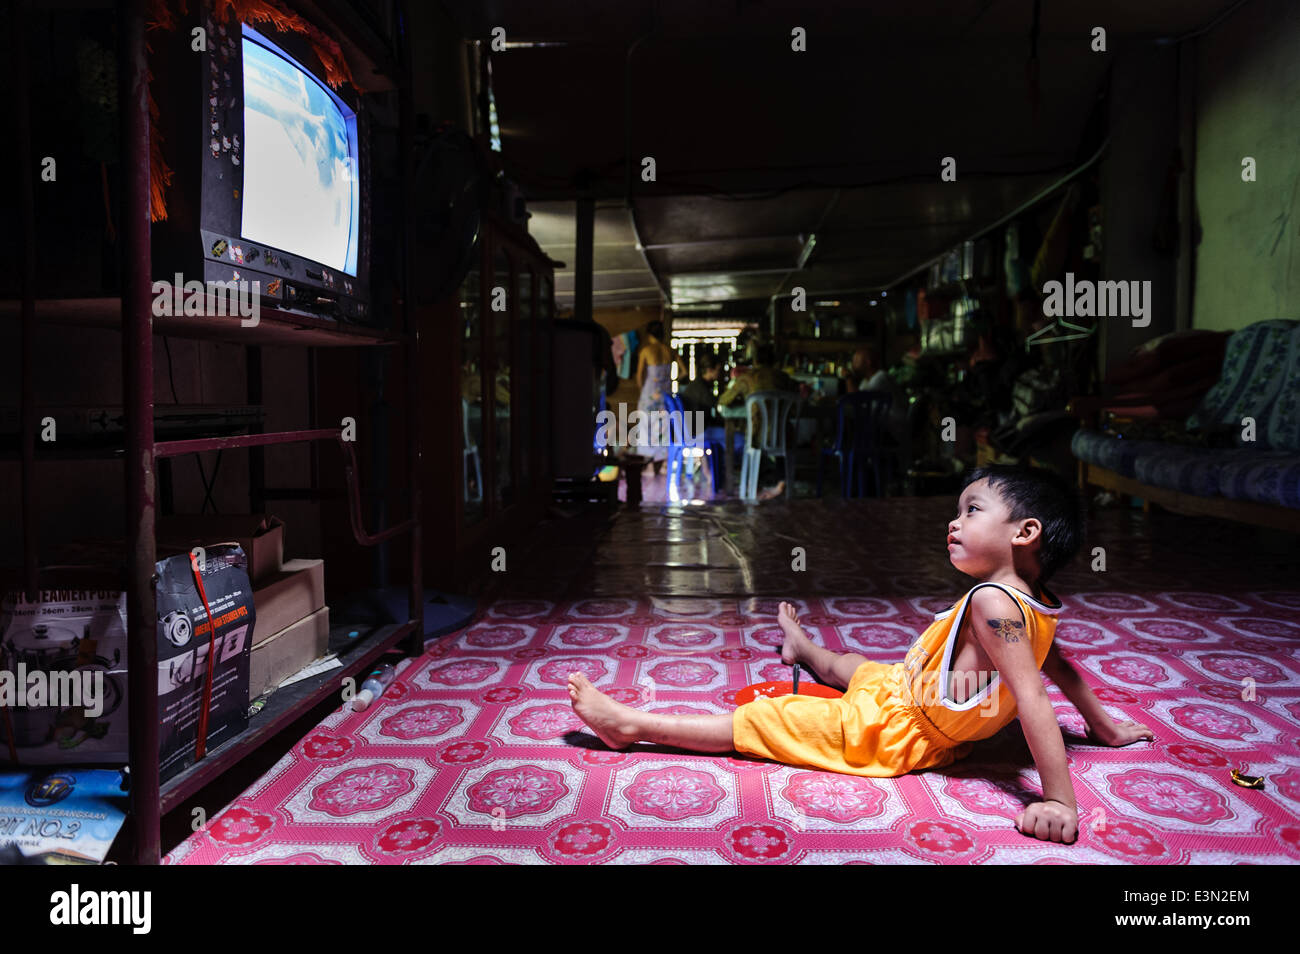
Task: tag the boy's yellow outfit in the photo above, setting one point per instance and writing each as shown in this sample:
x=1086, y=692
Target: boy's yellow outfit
x=894, y=719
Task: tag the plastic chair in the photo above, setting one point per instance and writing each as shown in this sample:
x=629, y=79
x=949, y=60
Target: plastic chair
x=861, y=426
x=716, y=439
x=773, y=413
x=471, y=450
x=680, y=437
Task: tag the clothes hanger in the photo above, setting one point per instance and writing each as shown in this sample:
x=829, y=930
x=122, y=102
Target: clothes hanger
x=1038, y=337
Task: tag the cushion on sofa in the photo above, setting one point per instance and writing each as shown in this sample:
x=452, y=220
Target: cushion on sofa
x=1282, y=430
x=1257, y=358
x=1267, y=477
x=1188, y=470
x=1173, y=403
x=1106, y=450
x=1194, y=346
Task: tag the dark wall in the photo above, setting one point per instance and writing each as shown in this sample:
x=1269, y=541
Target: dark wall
x=1248, y=104
x=1134, y=183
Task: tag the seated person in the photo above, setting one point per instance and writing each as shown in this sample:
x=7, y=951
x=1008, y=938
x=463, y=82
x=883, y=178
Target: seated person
x=698, y=394
x=868, y=375
x=974, y=670
x=765, y=376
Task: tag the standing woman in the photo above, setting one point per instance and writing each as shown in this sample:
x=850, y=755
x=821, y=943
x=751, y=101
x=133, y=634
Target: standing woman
x=654, y=378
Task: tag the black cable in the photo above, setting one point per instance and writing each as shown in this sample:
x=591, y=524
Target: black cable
x=208, y=486
x=170, y=377
x=198, y=458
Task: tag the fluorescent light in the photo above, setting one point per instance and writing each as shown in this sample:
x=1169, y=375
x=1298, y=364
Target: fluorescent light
x=807, y=251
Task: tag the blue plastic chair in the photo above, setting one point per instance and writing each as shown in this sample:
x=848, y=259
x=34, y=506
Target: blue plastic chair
x=861, y=425
x=770, y=437
x=716, y=438
x=680, y=437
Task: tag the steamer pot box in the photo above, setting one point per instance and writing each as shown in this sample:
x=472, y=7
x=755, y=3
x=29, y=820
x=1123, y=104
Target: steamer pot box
x=46, y=639
x=183, y=650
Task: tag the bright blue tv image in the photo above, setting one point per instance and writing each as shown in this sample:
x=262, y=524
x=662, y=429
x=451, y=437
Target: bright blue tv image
x=301, y=189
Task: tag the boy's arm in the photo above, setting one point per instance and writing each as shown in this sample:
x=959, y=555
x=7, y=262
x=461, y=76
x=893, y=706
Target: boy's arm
x=999, y=625
x=1100, y=725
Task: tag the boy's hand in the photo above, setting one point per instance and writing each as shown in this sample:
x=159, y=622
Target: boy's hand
x=1049, y=821
x=1120, y=733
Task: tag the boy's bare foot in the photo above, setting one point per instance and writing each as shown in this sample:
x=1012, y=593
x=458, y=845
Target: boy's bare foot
x=773, y=492
x=796, y=645
x=614, y=723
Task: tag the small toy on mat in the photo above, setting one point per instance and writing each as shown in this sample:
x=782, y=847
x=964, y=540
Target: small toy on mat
x=1247, y=781
x=750, y=693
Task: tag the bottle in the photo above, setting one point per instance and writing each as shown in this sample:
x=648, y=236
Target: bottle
x=374, y=686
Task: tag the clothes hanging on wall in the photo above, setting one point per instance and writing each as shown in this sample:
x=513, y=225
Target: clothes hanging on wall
x=618, y=348
x=1050, y=260
x=1012, y=264
x=630, y=343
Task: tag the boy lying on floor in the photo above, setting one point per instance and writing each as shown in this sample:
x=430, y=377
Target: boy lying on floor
x=972, y=671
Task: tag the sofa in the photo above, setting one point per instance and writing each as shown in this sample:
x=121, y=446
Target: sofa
x=1135, y=439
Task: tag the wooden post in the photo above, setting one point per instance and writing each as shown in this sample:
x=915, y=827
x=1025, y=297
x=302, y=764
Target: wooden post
x=586, y=222
x=137, y=402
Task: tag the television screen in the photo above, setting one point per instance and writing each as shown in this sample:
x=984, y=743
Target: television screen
x=301, y=190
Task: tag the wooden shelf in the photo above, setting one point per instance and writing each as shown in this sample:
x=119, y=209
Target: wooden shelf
x=284, y=706
x=275, y=327
x=379, y=63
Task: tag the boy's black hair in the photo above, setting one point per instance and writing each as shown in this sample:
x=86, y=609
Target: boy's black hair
x=655, y=329
x=765, y=356
x=1046, y=496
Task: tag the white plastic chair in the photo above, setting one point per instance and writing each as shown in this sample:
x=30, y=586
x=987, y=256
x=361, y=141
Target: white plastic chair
x=774, y=409
x=471, y=450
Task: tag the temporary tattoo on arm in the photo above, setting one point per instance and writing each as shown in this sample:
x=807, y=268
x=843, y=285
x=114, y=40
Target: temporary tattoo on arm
x=1011, y=630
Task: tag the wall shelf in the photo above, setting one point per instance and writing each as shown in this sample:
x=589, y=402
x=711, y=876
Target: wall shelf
x=274, y=327
x=131, y=563
x=285, y=705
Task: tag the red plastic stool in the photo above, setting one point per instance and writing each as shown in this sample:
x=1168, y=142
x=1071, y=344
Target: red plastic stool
x=773, y=689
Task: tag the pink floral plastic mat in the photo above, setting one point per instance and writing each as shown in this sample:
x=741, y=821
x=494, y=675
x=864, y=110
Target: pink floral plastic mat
x=474, y=754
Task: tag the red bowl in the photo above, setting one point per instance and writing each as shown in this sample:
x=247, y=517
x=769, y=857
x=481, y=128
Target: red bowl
x=806, y=688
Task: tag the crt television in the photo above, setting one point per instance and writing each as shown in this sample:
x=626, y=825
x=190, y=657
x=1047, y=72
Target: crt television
x=270, y=169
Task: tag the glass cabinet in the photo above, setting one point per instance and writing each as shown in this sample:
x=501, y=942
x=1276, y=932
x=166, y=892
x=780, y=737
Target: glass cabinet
x=503, y=362
x=502, y=308
x=471, y=399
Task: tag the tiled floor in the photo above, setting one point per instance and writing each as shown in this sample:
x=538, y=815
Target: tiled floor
x=475, y=755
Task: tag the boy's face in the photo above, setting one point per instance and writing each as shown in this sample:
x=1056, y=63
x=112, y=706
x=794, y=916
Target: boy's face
x=981, y=538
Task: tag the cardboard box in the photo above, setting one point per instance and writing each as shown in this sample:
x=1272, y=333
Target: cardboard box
x=294, y=593
x=183, y=638
x=62, y=634
x=260, y=536
x=287, y=651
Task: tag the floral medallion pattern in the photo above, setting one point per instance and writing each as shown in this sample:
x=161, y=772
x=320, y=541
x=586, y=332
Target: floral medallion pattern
x=495, y=766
